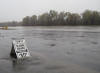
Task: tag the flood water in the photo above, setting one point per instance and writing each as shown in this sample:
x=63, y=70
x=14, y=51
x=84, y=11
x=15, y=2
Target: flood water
x=53, y=50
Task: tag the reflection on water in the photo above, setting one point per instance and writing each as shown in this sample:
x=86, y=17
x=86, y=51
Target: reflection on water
x=53, y=50
x=18, y=65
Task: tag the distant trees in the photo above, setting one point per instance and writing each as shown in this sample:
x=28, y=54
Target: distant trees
x=91, y=18
x=74, y=19
x=13, y=23
x=33, y=20
x=44, y=19
x=54, y=18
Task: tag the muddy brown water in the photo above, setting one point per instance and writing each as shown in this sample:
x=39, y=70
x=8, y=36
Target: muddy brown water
x=53, y=50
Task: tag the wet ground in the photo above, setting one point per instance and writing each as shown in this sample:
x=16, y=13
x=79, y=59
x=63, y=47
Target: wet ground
x=53, y=50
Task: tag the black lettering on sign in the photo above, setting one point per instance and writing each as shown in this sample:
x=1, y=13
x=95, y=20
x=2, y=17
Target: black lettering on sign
x=23, y=55
x=18, y=51
x=19, y=48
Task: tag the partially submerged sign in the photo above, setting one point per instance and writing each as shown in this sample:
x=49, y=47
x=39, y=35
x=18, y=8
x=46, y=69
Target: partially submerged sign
x=19, y=49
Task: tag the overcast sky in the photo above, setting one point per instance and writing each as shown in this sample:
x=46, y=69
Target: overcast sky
x=17, y=9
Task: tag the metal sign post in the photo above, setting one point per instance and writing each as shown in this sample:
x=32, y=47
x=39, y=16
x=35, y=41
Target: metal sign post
x=19, y=49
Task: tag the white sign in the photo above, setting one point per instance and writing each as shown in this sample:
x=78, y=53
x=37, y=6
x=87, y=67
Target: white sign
x=20, y=48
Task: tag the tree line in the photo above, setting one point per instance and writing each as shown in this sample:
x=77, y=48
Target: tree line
x=54, y=18
x=13, y=23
